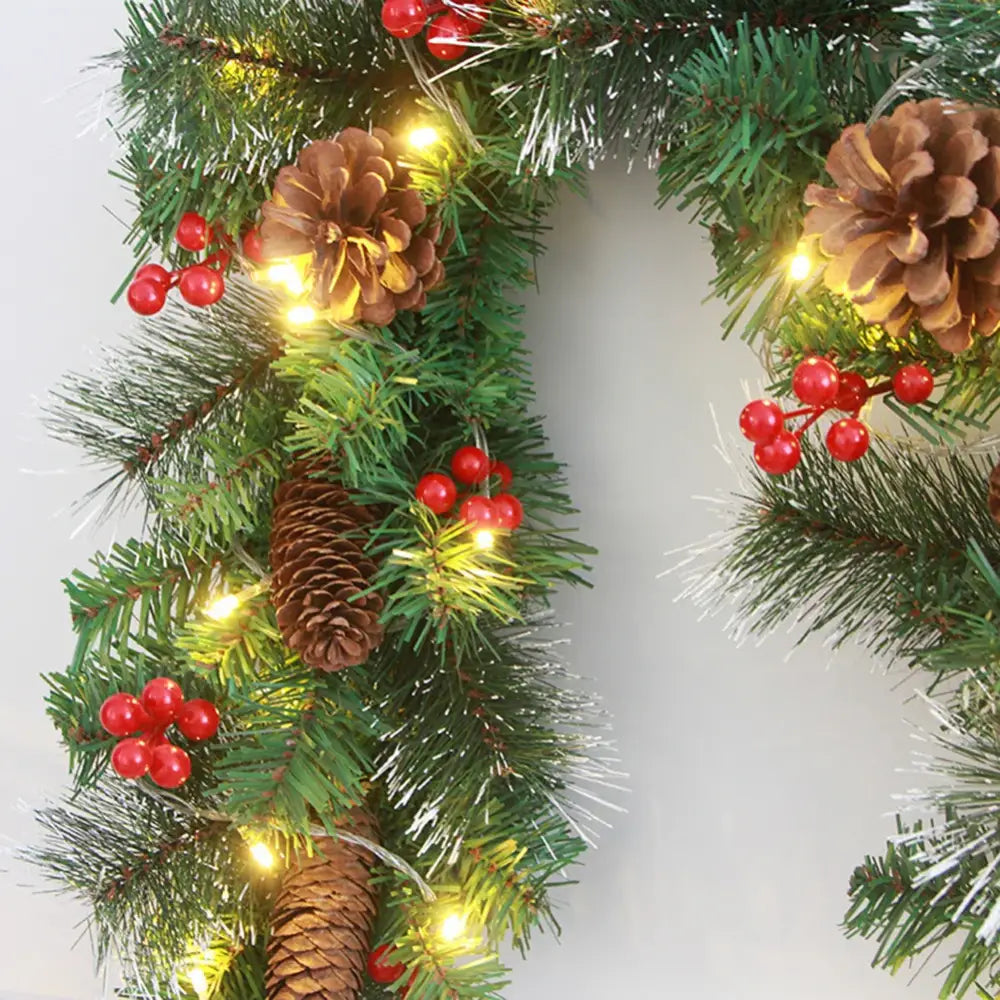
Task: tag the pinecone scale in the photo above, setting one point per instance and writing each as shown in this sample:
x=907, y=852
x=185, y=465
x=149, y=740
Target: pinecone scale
x=321, y=574
x=322, y=920
x=912, y=228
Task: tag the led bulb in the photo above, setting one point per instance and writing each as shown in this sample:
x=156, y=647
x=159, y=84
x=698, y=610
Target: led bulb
x=800, y=267
x=262, y=854
x=223, y=607
x=452, y=927
x=286, y=274
x=301, y=315
x=421, y=138
x=485, y=539
x=199, y=981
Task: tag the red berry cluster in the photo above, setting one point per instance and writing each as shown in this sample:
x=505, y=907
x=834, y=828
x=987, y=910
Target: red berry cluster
x=472, y=467
x=200, y=284
x=383, y=970
x=819, y=384
x=150, y=752
x=448, y=36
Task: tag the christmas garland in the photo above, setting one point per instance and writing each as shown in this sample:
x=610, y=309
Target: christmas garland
x=319, y=740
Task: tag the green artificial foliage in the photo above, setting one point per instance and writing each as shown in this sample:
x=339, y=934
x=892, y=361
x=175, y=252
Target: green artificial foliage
x=483, y=764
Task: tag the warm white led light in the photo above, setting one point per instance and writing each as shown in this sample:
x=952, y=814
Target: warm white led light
x=800, y=267
x=223, y=607
x=286, y=274
x=301, y=315
x=421, y=138
x=485, y=539
x=262, y=854
x=452, y=927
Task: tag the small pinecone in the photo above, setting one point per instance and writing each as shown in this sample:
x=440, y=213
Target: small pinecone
x=913, y=226
x=993, y=496
x=320, y=569
x=348, y=205
x=322, y=921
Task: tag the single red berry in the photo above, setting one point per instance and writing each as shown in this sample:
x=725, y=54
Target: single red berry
x=503, y=472
x=437, y=491
x=381, y=967
x=146, y=296
x=448, y=37
x=470, y=465
x=510, y=513
x=131, y=758
x=761, y=421
x=162, y=698
x=847, y=440
x=154, y=272
x=913, y=384
x=253, y=246
x=780, y=455
x=479, y=512
x=852, y=393
x=201, y=286
x=816, y=381
x=122, y=714
x=155, y=737
x=473, y=19
x=198, y=719
x=404, y=18
x=193, y=231
x=170, y=766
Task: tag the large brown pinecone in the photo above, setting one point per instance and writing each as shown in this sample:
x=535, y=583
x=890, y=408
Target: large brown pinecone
x=913, y=226
x=322, y=921
x=319, y=570
x=348, y=204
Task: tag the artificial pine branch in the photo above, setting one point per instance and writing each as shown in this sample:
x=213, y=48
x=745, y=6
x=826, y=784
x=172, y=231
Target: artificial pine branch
x=498, y=719
x=184, y=375
x=874, y=551
x=155, y=877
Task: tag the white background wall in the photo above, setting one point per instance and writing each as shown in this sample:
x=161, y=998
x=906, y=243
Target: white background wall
x=758, y=781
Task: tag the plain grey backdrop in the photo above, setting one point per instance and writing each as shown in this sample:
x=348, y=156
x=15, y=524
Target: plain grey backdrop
x=758, y=780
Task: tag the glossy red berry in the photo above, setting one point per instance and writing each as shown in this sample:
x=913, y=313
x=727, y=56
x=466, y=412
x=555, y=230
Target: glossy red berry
x=381, y=967
x=761, y=421
x=913, y=384
x=162, y=699
x=404, y=18
x=170, y=766
x=847, y=440
x=437, y=491
x=503, y=472
x=509, y=511
x=470, y=465
x=253, y=246
x=473, y=19
x=192, y=231
x=198, y=719
x=852, y=393
x=131, y=758
x=479, y=512
x=154, y=272
x=201, y=285
x=448, y=37
x=816, y=381
x=146, y=296
x=780, y=455
x=122, y=714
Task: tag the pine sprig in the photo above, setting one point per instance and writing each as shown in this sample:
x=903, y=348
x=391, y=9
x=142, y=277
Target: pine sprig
x=873, y=551
x=155, y=878
x=479, y=723
x=186, y=374
x=302, y=751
